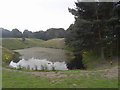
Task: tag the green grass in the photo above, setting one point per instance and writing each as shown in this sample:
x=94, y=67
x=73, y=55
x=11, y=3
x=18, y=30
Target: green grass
x=22, y=80
x=92, y=62
x=17, y=43
x=69, y=80
x=89, y=82
x=9, y=44
x=54, y=43
x=102, y=68
x=8, y=55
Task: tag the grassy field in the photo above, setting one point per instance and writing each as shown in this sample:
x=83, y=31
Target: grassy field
x=9, y=44
x=21, y=80
x=89, y=60
x=17, y=43
x=59, y=79
x=93, y=62
x=54, y=43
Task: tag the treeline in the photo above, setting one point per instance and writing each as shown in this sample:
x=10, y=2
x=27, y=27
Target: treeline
x=44, y=35
x=96, y=28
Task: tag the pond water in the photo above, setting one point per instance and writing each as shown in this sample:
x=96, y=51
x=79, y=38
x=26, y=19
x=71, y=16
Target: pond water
x=41, y=59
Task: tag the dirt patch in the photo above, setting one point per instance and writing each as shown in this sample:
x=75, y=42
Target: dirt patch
x=107, y=73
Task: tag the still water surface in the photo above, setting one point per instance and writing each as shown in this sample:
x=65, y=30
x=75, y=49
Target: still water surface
x=41, y=58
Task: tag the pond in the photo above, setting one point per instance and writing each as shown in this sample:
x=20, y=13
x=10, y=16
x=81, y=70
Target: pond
x=41, y=59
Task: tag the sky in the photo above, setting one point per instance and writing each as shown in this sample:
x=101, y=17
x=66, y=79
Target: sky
x=36, y=15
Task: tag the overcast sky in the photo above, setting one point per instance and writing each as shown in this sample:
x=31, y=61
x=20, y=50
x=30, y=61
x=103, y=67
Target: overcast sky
x=35, y=15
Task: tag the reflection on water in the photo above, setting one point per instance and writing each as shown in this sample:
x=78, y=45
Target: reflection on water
x=41, y=53
x=45, y=58
x=38, y=64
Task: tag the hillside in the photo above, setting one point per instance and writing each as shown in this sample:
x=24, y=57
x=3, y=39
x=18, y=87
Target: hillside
x=8, y=55
x=89, y=59
x=18, y=43
x=54, y=43
x=101, y=77
x=9, y=44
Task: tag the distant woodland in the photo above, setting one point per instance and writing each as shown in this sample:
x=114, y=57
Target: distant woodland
x=44, y=35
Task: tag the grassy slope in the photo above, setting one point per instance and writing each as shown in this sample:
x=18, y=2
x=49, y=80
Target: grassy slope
x=63, y=80
x=73, y=80
x=54, y=43
x=92, y=62
x=17, y=43
x=10, y=44
x=6, y=54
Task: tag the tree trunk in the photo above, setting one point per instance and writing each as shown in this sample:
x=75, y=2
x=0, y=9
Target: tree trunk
x=100, y=38
x=102, y=52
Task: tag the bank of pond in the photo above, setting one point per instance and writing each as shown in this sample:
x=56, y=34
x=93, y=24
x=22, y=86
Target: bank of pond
x=41, y=58
x=38, y=58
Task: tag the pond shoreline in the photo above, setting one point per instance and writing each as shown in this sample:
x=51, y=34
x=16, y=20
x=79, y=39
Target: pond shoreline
x=41, y=58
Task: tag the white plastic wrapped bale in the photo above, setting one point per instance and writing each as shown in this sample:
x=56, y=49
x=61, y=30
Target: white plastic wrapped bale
x=13, y=64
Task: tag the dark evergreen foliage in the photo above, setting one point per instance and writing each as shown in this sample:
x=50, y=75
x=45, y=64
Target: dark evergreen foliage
x=96, y=28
